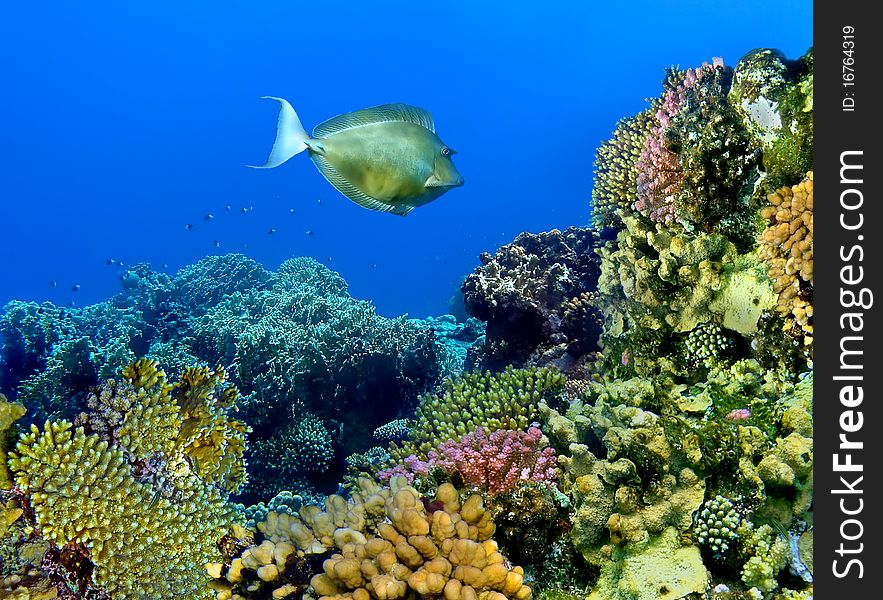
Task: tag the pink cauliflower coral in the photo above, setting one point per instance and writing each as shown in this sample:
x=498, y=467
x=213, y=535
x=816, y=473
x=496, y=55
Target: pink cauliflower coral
x=660, y=177
x=499, y=461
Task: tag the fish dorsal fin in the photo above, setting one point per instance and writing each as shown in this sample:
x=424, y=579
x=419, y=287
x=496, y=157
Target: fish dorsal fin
x=384, y=113
x=352, y=192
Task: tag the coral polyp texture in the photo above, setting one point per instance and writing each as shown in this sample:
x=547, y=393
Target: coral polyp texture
x=626, y=412
x=145, y=496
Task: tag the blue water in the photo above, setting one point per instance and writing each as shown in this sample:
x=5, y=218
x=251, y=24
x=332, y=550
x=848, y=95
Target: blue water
x=121, y=122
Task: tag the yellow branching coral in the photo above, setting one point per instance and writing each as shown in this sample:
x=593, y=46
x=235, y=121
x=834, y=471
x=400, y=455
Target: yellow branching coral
x=82, y=491
x=507, y=400
x=786, y=246
x=141, y=481
x=616, y=176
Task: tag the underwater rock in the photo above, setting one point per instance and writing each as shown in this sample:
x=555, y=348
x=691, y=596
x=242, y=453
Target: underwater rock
x=537, y=296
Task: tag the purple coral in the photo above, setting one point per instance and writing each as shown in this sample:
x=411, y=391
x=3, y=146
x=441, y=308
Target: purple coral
x=495, y=462
x=660, y=175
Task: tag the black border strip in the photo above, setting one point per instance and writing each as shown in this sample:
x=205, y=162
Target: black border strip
x=847, y=271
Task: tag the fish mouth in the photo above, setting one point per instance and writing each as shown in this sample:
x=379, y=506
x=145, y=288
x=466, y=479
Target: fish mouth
x=446, y=184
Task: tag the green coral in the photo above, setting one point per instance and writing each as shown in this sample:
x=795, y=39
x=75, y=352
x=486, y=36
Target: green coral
x=716, y=524
x=769, y=553
x=707, y=343
x=773, y=97
x=507, y=400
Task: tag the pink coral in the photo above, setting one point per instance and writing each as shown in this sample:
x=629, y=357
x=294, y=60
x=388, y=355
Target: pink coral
x=660, y=177
x=499, y=461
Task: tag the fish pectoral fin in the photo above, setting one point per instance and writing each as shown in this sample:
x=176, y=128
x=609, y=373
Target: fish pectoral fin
x=349, y=190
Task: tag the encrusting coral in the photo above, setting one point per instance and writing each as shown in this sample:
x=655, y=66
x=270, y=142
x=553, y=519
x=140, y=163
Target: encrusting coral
x=144, y=498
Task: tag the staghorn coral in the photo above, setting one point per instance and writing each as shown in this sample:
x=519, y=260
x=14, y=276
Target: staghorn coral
x=615, y=188
x=506, y=400
x=305, y=339
x=522, y=293
x=205, y=283
x=786, y=246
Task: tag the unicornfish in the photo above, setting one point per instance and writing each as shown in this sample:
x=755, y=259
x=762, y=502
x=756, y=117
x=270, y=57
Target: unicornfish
x=385, y=158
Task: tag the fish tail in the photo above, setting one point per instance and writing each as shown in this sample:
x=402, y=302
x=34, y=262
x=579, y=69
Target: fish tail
x=291, y=137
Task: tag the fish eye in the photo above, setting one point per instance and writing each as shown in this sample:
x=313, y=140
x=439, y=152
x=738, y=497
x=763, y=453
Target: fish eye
x=447, y=151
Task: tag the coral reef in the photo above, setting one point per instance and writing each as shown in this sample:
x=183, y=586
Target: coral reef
x=143, y=499
x=386, y=543
x=523, y=292
x=773, y=97
x=786, y=246
x=507, y=400
x=615, y=188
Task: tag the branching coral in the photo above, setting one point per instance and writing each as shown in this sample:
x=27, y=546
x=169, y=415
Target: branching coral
x=506, y=400
x=494, y=463
x=616, y=175
x=82, y=491
x=143, y=493
x=697, y=156
x=786, y=246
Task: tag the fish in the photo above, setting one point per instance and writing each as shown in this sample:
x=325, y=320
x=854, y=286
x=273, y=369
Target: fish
x=189, y=226
x=386, y=158
x=738, y=414
x=272, y=231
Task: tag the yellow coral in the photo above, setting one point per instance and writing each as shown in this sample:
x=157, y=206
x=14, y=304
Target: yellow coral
x=787, y=248
x=10, y=412
x=401, y=550
x=82, y=490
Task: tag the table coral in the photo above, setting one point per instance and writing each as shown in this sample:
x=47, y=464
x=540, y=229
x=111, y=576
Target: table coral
x=522, y=292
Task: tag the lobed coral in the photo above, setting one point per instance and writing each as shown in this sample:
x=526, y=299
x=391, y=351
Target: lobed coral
x=716, y=524
x=387, y=543
x=786, y=246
